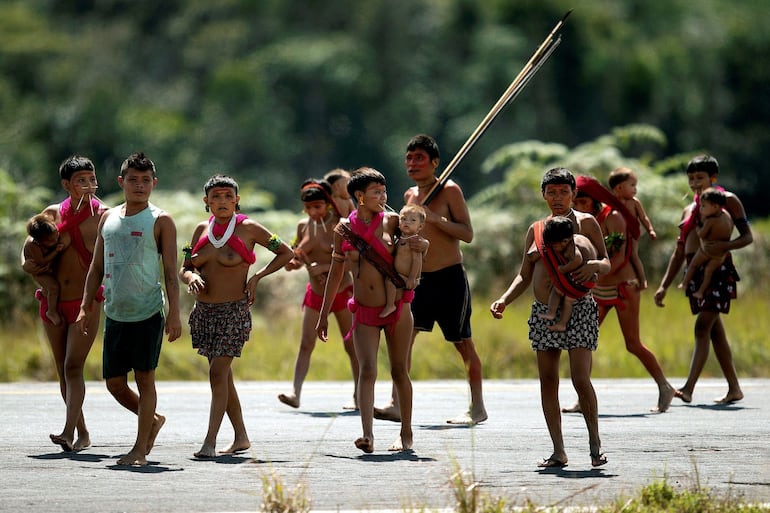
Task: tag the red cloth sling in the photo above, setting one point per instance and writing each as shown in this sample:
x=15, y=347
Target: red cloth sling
x=595, y=190
x=552, y=260
x=235, y=242
x=361, y=237
x=71, y=221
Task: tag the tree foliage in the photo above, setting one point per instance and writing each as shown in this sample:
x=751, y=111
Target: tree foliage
x=276, y=91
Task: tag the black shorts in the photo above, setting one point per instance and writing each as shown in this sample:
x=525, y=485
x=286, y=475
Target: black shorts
x=131, y=345
x=444, y=297
x=722, y=289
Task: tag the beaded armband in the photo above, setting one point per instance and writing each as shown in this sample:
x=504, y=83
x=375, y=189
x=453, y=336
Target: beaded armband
x=274, y=243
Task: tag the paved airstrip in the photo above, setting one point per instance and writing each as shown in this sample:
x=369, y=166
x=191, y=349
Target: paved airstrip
x=722, y=447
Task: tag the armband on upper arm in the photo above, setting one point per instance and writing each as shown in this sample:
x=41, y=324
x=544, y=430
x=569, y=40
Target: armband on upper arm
x=187, y=252
x=741, y=221
x=274, y=242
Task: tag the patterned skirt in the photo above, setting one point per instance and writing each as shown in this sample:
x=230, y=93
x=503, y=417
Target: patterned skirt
x=220, y=329
x=582, y=328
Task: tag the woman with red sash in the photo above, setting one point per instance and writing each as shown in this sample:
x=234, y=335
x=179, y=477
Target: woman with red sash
x=365, y=240
x=620, y=288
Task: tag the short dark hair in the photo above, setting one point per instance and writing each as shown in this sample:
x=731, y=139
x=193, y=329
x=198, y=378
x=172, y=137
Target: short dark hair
x=424, y=142
x=362, y=177
x=557, y=229
x=220, y=180
x=73, y=164
x=557, y=176
x=138, y=161
x=41, y=226
x=714, y=195
x=313, y=189
x=705, y=163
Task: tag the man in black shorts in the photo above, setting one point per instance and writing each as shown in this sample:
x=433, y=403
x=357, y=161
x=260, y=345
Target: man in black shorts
x=443, y=294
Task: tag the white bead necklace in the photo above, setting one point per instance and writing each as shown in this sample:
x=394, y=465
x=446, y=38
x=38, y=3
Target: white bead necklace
x=218, y=243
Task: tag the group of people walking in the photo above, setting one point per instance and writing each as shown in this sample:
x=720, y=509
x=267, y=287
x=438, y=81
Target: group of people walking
x=378, y=271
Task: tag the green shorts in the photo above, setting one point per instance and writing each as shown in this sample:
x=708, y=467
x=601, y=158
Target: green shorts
x=131, y=345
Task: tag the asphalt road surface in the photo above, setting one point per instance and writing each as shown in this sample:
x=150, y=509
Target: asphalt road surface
x=723, y=448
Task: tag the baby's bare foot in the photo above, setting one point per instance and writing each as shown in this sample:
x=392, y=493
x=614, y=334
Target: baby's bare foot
x=54, y=317
x=387, y=310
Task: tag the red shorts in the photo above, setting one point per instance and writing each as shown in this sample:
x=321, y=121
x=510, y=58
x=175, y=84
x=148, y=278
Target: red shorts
x=370, y=315
x=69, y=310
x=314, y=301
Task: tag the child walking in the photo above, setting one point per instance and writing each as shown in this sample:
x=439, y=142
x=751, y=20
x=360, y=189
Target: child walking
x=133, y=240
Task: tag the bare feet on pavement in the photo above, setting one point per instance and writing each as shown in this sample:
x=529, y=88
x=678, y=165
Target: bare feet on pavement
x=289, y=400
x=236, y=447
x=665, y=395
x=207, y=451
x=366, y=444
x=575, y=408
x=65, y=444
x=684, y=396
x=133, y=458
x=469, y=418
x=83, y=442
x=402, y=443
x=729, y=398
x=352, y=405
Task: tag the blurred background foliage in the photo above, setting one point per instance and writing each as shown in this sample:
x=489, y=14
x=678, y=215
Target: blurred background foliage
x=274, y=91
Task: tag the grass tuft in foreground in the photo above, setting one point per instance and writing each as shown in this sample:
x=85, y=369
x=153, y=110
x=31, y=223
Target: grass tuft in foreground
x=657, y=497
x=469, y=497
x=279, y=498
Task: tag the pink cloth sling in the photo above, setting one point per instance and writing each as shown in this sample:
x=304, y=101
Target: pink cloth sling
x=71, y=221
x=361, y=237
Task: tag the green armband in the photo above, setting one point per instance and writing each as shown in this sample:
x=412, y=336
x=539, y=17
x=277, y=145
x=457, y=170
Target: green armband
x=274, y=243
x=187, y=252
